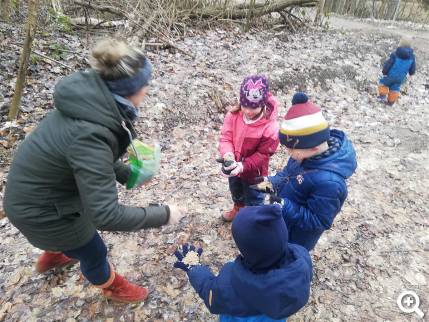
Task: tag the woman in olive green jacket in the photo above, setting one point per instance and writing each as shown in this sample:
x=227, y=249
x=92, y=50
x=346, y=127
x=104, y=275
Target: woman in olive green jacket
x=61, y=186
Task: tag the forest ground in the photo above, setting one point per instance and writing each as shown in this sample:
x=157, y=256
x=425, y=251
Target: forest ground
x=379, y=243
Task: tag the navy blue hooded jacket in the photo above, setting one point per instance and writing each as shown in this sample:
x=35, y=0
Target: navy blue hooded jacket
x=314, y=191
x=270, y=278
x=400, y=63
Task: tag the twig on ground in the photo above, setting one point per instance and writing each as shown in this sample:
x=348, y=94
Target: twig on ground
x=51, y=59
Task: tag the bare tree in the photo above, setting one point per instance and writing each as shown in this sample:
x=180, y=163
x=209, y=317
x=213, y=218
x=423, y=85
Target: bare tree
x=392, y=9
x=320, y=12
x=395, y=14
x=23, y=60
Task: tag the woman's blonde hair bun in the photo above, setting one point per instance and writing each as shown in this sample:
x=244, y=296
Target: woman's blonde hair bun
x=114, y=59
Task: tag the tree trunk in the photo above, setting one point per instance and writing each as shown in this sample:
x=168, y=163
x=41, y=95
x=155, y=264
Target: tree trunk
x=5, y=10
x=320, y=12
x=392, y=9
x=395, y=15
x=353, y=7
x=349, y=6
x=382, y=10
x=341, y=4
x=23, y=60
x=335, y=4
x=329, y=6
x=411, y=11
x=250, y=14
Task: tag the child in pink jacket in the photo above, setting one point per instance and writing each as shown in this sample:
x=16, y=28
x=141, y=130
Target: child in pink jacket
x=248, y=139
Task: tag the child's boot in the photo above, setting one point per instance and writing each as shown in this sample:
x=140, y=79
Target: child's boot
x=382, y=93
x=229, y=215
x=117, y=288
x=392, y=98
x=50, y=260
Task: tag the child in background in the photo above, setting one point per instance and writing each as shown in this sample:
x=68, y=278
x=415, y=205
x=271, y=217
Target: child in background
x=247, y=141
x=395, y=70
x=268, y=282
x=312, y=187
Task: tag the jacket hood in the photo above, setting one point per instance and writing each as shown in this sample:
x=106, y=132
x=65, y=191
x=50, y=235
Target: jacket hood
x=85, y=96
x=343, y=162
x=261, y=235
x=404, y=52
x=280, y=292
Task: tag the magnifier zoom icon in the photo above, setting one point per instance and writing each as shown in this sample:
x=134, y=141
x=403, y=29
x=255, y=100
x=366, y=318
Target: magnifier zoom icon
x=409, y=302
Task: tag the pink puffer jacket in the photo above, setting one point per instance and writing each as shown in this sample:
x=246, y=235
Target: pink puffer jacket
x=252, y=144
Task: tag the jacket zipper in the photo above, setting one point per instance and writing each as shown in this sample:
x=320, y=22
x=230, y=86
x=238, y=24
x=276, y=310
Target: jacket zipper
x=124, y=126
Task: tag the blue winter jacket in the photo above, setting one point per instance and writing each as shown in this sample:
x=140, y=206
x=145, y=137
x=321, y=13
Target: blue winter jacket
x=238, y=292
x=314, y=192
x=400, y=63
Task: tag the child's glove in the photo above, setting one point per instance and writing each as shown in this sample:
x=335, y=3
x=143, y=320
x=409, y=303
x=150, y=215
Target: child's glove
x=188, y=257
x=273, y=199
x=263, y=185
x=144, y=162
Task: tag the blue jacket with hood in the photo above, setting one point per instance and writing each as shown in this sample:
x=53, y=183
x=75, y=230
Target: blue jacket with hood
x=400, y=63
x=314, y=191
x=269, y=281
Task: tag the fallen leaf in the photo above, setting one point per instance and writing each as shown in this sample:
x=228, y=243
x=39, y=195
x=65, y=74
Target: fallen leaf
x=5, y=308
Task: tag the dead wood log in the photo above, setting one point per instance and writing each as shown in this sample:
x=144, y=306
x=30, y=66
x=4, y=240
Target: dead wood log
x=118, y=12
x=94, y=22
x=242, y=12
x=100, y=8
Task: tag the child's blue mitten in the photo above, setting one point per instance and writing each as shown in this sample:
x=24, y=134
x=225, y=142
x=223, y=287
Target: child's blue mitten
x=188, y=257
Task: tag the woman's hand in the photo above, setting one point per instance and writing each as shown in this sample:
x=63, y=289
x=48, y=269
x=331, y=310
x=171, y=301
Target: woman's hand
x=176, y=213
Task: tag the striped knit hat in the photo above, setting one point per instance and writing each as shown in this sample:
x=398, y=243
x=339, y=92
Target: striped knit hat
x=303, y=126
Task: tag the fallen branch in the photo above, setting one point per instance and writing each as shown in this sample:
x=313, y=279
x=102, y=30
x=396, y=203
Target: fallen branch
x=242, y=11
x=51, y=59
x=168, y=42
x=287, y=21
x=123, y=14
x=294, y=16
x=101, y=8
x=97, y=22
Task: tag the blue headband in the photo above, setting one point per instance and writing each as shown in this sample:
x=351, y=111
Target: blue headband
x=128, y=86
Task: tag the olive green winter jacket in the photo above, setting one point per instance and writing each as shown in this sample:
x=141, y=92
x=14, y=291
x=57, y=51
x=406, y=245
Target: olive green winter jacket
x=62, y=183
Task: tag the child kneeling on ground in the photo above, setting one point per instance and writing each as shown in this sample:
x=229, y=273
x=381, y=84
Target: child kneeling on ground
x=269, y=281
